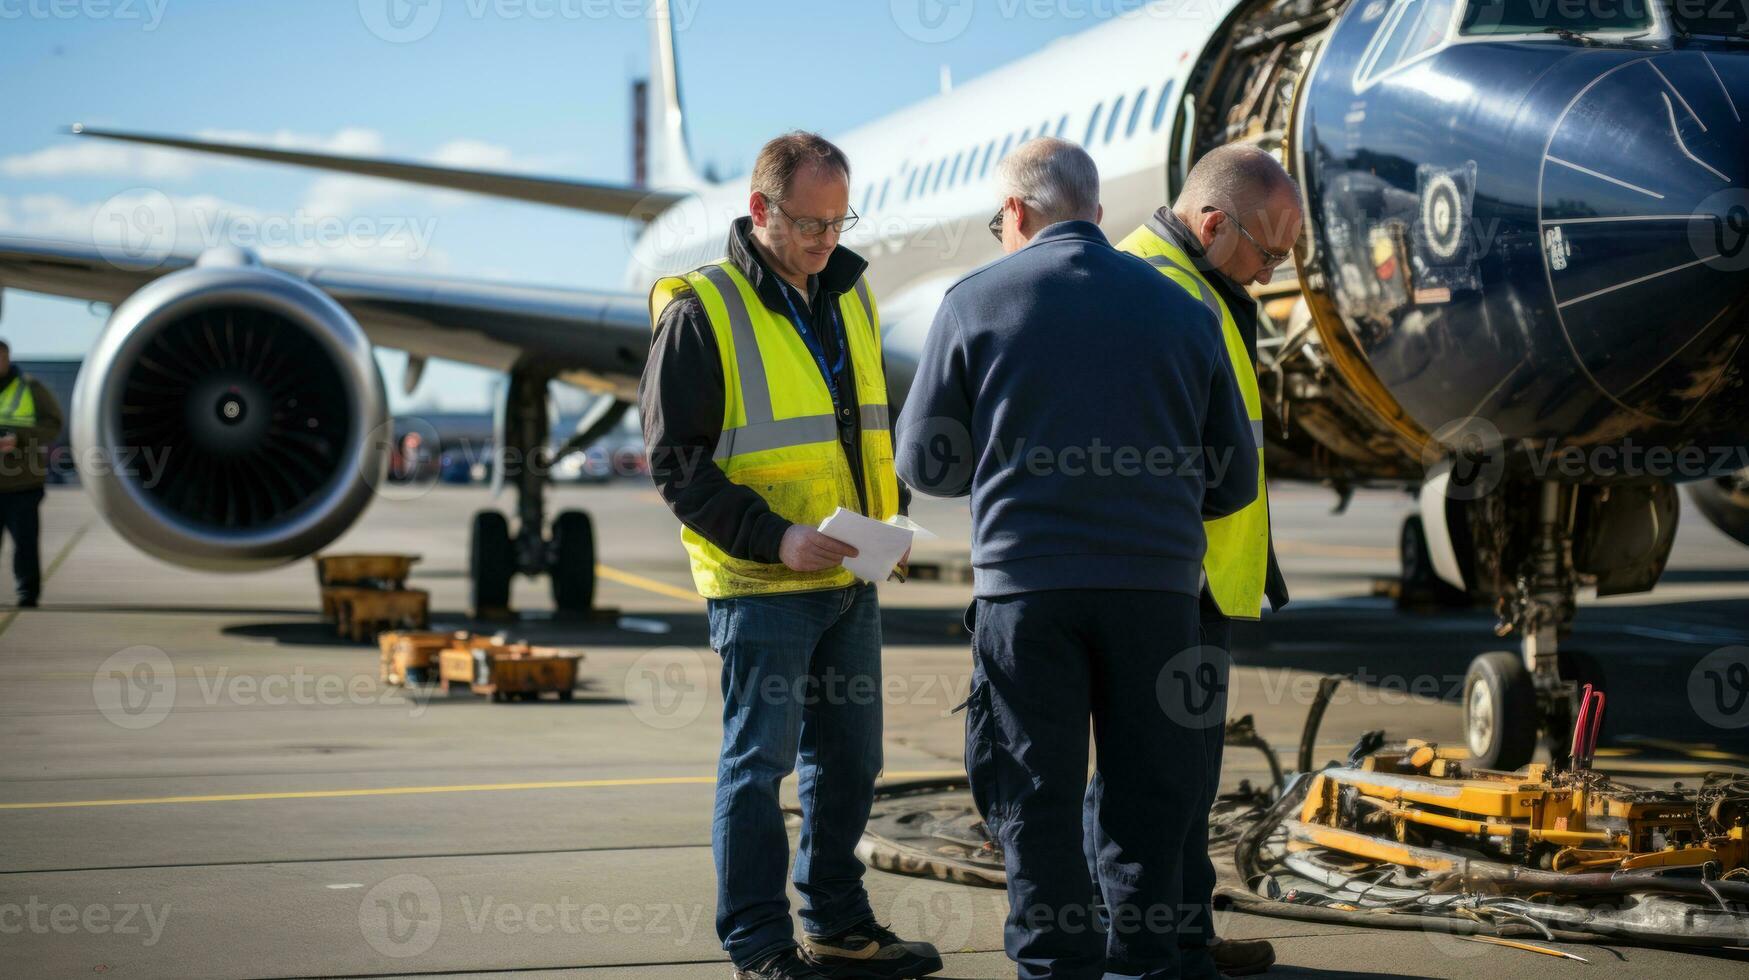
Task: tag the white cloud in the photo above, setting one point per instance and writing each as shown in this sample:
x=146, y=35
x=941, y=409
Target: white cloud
x=354, y=140
x=147, y=224
x=88, y=157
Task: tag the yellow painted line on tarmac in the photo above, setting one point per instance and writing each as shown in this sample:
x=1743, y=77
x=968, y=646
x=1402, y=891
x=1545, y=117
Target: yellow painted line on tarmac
x=647, y=584
x=329, y=794
x=48, y=573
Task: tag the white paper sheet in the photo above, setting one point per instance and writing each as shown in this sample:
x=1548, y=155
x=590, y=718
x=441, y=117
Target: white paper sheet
x=879, y=544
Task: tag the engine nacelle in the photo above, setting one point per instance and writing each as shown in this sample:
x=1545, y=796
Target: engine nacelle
x=230, y=417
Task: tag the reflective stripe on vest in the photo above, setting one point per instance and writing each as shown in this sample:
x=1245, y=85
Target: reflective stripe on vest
x=17, y=405
x=780, y=436
x=1237, y=559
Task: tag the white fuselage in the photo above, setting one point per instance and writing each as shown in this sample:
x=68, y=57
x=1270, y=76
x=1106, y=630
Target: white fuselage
x=923, y=178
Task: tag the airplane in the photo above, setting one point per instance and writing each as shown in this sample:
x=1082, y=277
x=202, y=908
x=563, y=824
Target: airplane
x=1526, y=235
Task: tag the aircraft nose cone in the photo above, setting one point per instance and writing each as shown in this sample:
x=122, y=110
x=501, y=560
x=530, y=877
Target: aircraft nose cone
x=1644, y=210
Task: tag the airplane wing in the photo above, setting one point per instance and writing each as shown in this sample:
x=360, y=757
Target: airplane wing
x=638, y=203
x=592, y=338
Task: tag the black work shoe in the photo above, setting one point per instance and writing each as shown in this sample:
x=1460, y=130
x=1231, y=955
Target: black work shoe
x=786, y=965
x=1242, y=957
x=870, y=951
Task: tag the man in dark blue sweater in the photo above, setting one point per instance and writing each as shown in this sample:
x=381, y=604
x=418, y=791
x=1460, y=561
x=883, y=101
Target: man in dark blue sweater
x=1085, y=403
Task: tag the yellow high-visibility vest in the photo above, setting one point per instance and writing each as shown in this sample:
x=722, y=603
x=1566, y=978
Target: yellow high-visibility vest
x=1237, y=560
x=17, y=405
x=779, y=433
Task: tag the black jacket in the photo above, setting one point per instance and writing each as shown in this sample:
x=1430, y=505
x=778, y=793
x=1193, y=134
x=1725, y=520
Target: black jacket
x=1244, y=309
x=680, y=400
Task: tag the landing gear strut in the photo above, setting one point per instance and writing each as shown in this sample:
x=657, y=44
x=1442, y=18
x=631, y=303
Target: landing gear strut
x=1512, y=698
x=567, y=556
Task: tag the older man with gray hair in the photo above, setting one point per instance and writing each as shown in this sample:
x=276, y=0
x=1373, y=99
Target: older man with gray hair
x=1085, y=403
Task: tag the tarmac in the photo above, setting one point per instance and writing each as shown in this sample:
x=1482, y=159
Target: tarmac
x=201, y=780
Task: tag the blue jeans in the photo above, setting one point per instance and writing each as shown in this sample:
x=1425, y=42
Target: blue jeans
x=1043, y=663
x=801, y=678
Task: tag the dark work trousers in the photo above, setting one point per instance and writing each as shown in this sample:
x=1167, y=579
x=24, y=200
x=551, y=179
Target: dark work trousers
x=1044, y=663
x=18, y=521
x=1208, y=687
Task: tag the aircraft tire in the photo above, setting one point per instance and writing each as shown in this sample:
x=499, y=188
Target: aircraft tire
x=572, y=574
x=491, y=564
x=1500, y=719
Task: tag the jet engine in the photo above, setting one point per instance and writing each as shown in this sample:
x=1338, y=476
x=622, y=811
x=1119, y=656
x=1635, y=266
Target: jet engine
x=230, y=416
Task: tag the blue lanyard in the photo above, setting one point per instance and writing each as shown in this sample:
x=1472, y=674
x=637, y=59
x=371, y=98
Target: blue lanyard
x=814, y=346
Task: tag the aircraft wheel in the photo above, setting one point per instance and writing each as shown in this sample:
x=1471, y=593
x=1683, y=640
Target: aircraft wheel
x=491, y=563
x=572, y=573
x=1500, y=720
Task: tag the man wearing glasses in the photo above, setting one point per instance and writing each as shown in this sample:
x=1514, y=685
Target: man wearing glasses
x=1233, y=224
x=764, y=405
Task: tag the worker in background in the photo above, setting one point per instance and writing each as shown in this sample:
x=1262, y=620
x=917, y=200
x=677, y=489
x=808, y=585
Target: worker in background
x=1086, y=405
x=30, y=420
x=1234, y=222
x=764, y=405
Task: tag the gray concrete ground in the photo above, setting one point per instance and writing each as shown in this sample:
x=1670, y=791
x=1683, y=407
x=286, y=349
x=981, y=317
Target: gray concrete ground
x=201, y=781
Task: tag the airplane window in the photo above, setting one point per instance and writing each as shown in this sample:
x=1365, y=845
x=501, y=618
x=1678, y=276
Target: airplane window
x=1111, y=123
x=1531, y=16
x=1160, y=107
x=1062, y=124
x=953, y=172
x=1129, y=128
x=1093, y=124
x=886, y=185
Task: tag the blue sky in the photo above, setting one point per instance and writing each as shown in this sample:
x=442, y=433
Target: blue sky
x=535, y=85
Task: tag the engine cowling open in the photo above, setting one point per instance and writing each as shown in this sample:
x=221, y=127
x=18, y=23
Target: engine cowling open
x=230, y=417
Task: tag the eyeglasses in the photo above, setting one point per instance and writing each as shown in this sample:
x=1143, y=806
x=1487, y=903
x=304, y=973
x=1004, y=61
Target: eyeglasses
x=814, y=227
x=1271, y=259
x=996, y=225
